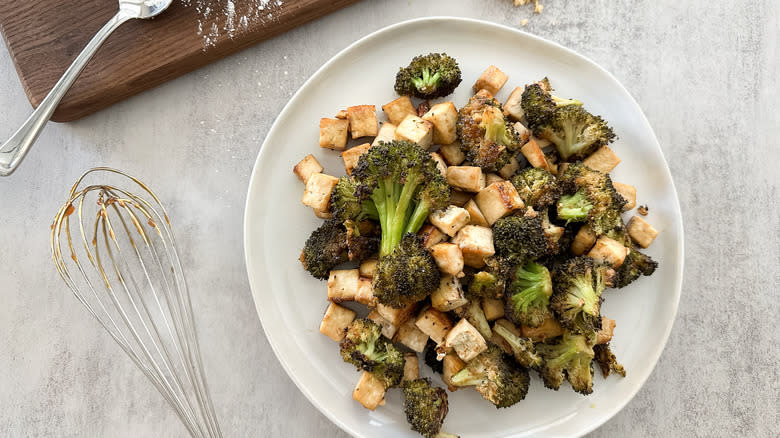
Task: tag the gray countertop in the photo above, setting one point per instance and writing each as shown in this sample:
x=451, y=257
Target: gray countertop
x=704, y=71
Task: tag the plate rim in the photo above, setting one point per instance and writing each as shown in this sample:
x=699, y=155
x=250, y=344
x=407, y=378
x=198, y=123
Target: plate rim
x=680, y=250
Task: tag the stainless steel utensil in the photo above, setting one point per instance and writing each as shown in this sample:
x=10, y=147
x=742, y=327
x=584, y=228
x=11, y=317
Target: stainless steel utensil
x=13, y=151
x=113, y=245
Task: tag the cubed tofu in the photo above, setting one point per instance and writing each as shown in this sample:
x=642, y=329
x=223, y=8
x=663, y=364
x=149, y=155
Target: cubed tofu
x=452, y=154
x=465, y=340
x=491, y=178
x=342, y=114
x=641, y=232
x=451, y=365
x=450, y=220
x=431, y=235
x=603, y=160
x=444, y=117
x=435, y=324
x=475, y=214
x=510, y=169
x=523, y=132
x=628, y=193
x=388, y=329
x=533, y=153
x=491, y=80
x=397, y=110
x=409, y=335
x=440, y=163
x=397, y=316
x=365, y=294
x=343, y=285
x=411, y=367
x=335, y=321
x=368, y=268
x=318, y=190
x=607, y=329
x=449, y=295
x=369, y=391
x=498, y=200
x=416, y=130
x=333, y=134
x=476, y=243
x=609, y=251
x=512, y=106
x=549, y=329
x=362, y=121
x=460, y=198
x=351, y=156
x=449, y=258
x=583, y=241
x=386, y=134
x=466, y=178
x=307, y=167
x=493, y=308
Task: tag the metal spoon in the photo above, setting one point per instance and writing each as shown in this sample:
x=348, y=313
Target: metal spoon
x=13, y=151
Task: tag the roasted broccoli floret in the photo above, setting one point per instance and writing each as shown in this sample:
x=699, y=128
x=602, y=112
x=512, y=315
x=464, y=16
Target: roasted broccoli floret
x=486, y=137
x=431, y=357
x=345, y=205
x=575, y=132
x=325, y=249
x=362, y=240
x=635, y=265
x=520, y=239
x=574, y=208
x=577, y=287
x=523, y=349
x=490, y=282
x=495, y=377
x=595, y=200
x=607, y=361
x=428, y=77
x=366, y=348
x=407, y=275
x=528, y=296
x=425, y=406
x=537, y=187
x=570, y=358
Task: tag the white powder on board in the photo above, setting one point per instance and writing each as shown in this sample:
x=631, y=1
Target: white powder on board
x=227, y=18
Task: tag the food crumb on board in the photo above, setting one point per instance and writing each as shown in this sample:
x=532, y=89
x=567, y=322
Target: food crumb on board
x=538, y=7
x=524, y=22
x=228, y=18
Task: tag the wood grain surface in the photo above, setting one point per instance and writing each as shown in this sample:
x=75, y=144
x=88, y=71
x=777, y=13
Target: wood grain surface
x=44, y=36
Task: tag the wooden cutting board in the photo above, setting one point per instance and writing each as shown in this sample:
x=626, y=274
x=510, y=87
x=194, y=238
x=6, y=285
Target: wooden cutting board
x=44, y=36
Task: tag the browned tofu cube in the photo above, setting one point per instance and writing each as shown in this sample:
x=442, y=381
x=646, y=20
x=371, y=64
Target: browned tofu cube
x=351, y=156
x=411, y=367
x=444, y=117
x=398, y=109
x=449, y=295
x=465, y=340
x=369, y=391
x=603, y=160
x=510, y=169
x=466, y=178
x=335, y=321
x=409, y=335
x=491, y=80
x=533, y=153
x=493, y=308
x=583, y=241
x=607, y=329
x=397, y=316
x=460, y=198
x=416, y=130
x=342, y=114
x=641, y=232
x=452, y=154
x=333, y=133
x=523, y=132
x=451, y=365
x=475, y=214
x=343, y=285
x=386, y=134
x=491, y=178
x=368, y=268
x=476, y=243
x=513, y=107
x=498, y=200
x=449, y=258
x=440, y=163
x=608, y=251
x=431, y=235
x=435, y=324
x=628, y=193
x=362, y=121
x=388, y=329
x=549, y=329
x=318, y=190
x=450, y=220
x=307, y=167
x=365, y=294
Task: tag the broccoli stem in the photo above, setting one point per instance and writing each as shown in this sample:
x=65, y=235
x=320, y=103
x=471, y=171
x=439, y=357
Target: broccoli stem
x=428, y=82
x=418, y=217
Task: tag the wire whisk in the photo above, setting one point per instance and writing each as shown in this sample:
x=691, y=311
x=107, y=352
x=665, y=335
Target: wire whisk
x=114, y=247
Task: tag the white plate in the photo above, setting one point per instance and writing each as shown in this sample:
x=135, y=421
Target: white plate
x=290, y=302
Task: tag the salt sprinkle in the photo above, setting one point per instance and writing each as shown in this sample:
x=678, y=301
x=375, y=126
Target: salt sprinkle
x=227, y=18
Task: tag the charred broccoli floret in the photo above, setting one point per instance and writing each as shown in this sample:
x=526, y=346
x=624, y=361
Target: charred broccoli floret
x=635, y=265
x=539, y=104
x=578, y=284
x=345, y=205
x=490, y=282
x=325, y=249
x=495, y=377
x=607, y=361
x=575, y=132
x=570, y=358
x=537, y=187
x=362, y=240
x=425, y=406
x=406, y=275
x=523, y=349
x=528, y=298
x=486, y=137
x=595, y=200
x=520, y=239
x=366, y=348
x=428, y=77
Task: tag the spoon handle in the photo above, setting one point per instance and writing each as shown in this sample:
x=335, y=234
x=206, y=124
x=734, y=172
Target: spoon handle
x=13, y=151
